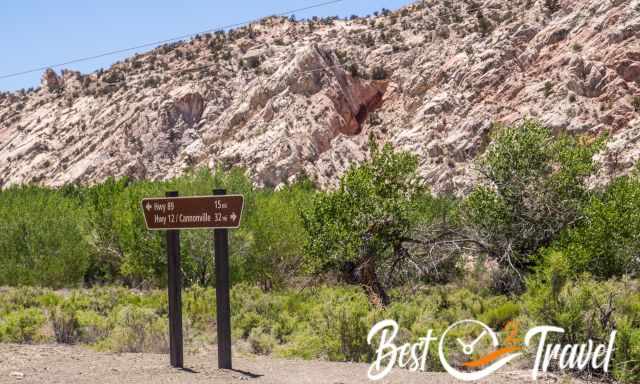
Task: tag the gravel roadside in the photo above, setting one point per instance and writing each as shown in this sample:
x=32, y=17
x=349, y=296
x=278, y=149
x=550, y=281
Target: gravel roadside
x=63, y=364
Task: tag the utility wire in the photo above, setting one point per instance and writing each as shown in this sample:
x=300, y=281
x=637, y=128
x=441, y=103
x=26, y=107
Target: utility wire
x=160, y=42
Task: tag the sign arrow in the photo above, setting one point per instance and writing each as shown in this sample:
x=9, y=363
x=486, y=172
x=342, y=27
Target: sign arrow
x=148, y=207
x=233, y=216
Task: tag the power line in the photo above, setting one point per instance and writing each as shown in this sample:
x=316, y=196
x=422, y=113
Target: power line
x=160, y=42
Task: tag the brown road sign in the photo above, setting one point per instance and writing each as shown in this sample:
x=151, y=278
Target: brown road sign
x=189, y=212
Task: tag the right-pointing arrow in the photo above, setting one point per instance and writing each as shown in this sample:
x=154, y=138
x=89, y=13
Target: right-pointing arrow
x=233, y=216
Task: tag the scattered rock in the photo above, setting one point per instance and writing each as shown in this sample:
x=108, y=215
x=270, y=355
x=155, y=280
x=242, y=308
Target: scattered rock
x=629, y=70
x=17, y=375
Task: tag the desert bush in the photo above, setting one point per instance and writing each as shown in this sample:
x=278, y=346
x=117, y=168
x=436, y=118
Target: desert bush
x=22, y=326
x=353, y=69
x=552, y=6
x=65, y=324
x=588, y=309
x=626, y=369
x=378, y=73
x=83, y=315
x=261, y=342
x=331, y=323
x=548, y=89
x=343, y=324
x=199, y=306
x=484, y=25
x=316, y=324
x=112, y=77
x=92, y=327
x=12, y=299
x=151, y=82
x=498, y=316
x=138, y=330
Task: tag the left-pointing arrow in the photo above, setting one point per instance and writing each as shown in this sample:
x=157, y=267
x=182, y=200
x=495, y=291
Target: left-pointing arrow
x=148, y=206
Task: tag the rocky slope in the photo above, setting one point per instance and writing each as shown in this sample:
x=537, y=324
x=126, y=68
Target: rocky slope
x=283, y=98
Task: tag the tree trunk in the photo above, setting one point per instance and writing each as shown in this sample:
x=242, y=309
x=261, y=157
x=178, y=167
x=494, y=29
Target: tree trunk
x=372, y=286
x=364, y=274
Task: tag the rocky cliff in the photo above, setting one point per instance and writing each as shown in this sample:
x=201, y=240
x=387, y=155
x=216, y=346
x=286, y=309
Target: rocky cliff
x=284, y=97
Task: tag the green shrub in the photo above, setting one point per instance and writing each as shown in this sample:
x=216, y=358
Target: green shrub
x=303, y=344
x=331, y=323
x=276, y=235
x=92, y=327
x=344, y=326
x=199, y=306
x=605, y=243
x=261, y=342
x=96, y=235
x=65, y=325
x=22, y=326
x=484, y=25
x=499, y=316
x=12, y=299
x=534, y=187
x=138, y=330
x=626, y=368
x=41, y=238
x=588, y=309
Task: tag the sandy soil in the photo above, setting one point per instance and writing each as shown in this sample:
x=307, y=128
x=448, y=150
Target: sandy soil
x=53, y=364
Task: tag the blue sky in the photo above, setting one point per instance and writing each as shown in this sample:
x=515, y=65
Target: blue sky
x=37, y=33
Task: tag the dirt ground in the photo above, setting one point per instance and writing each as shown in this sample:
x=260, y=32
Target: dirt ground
x=52, y=364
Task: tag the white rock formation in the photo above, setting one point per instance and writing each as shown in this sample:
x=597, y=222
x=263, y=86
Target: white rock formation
x=283, y=98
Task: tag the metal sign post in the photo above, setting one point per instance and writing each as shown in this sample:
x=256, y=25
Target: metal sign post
x=173, y=213
x=175, y=295
x=223, y=306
